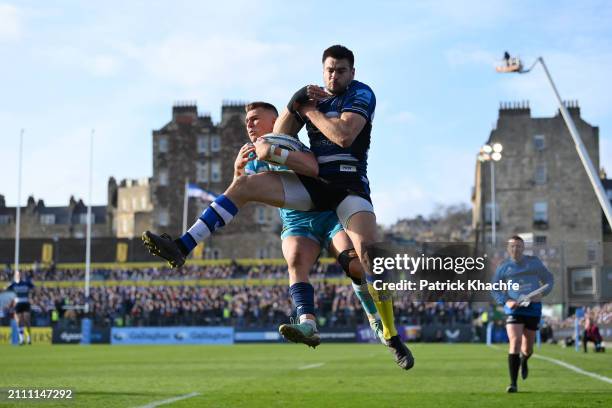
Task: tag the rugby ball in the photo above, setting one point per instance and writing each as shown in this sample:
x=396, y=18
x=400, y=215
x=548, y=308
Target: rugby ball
x=285, y=141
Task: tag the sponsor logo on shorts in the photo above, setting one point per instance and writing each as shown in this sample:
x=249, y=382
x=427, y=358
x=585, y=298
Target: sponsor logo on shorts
x=348, y=169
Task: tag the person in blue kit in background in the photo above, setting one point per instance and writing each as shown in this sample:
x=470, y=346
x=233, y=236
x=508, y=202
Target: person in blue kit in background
x=22, y=287
x=522, y=320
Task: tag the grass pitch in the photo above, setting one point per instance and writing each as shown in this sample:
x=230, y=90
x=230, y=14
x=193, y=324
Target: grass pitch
x=288, y=375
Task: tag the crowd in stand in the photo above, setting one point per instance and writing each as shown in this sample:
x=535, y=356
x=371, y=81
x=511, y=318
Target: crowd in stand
x=599, y=315
x=192, y=272
x=245, y=305
x=242, y=304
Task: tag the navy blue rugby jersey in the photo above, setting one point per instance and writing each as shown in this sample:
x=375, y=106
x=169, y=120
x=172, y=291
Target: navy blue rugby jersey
x=349, y=164
x=22, y=290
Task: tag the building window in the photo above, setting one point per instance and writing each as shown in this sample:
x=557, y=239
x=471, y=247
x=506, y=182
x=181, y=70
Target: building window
x=216, y=171
x=202, y=144
x=540, y=212
x=215, y=143
x=162, y=177
x=539, y=240
x=489, y=210
x=162, y=217
x=5, y=219
x=582, y=281
x=540, y=174
x=591, y=252
x=143, y=203
x=47, y=219
x=202, y=173
x=134, y=203
x=83, y=218
x=539, y=142
x=163, y=144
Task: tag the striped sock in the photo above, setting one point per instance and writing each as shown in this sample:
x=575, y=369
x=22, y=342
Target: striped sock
x=219, y=213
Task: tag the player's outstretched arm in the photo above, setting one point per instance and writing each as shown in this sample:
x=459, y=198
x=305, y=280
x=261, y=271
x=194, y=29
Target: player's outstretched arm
x=304, y=163
x=342, y=131
x=287, y=123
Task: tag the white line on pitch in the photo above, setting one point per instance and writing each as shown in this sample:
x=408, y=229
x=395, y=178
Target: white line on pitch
x=569, y=367
x=574, y=368
x=309, y=366
x=169, y=400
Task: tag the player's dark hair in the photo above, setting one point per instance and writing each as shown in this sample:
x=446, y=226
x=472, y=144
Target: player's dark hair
x=516, y=238
x=260, y=104
x=339, y=52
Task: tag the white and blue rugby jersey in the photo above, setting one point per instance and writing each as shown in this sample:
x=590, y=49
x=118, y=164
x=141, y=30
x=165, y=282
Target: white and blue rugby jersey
x=22, y=290
x=345, y=164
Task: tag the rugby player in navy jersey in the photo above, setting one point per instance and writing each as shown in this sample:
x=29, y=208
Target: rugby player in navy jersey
x=522, y=319
x=22, y=287
x=339, y=121
x=303, y=235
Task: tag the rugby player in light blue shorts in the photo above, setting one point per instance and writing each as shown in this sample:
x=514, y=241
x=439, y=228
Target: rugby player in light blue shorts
x=303, y=236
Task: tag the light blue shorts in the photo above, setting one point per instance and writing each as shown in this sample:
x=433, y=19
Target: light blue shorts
x=318, y=226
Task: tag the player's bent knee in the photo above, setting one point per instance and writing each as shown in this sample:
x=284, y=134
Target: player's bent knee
x=344, y=259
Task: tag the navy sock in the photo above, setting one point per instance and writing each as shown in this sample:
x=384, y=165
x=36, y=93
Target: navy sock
x=302, y=294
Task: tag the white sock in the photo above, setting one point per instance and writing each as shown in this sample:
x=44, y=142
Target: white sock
x=304, y=319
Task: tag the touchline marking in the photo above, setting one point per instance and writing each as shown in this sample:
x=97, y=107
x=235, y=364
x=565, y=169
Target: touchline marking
x=569, y=367
x=576, y=369
x=169, y=400
x=306, y=367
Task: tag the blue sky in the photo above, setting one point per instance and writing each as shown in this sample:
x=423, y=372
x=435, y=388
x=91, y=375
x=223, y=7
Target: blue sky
x=70, y=66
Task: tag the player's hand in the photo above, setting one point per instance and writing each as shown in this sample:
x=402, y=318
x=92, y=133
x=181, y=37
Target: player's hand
x=317, y=93
x=512, y=304
x=307, y=107
x=298, y=98
x=262, y=149
x=243, y=156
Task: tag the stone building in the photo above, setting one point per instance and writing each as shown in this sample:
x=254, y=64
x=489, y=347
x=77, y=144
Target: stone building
x=191, y=148
x=133, y=208
x=543, y=193
x=40, y=221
